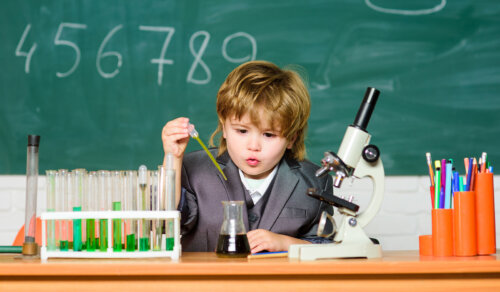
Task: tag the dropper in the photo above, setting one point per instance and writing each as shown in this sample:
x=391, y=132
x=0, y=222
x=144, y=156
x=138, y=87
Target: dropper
x=194, y=134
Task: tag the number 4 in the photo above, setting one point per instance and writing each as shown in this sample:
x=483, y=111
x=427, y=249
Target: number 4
x=29, y=54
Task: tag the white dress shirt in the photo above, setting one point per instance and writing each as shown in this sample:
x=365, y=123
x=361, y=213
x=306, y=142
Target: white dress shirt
x=257, y=187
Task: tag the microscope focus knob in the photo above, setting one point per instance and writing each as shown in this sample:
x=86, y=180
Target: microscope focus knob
x=371, y=153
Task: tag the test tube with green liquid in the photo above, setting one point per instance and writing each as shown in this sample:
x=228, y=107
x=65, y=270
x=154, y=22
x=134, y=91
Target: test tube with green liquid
x=194, y=134
x=104, y=183
x=50, y=181
x=156, y=198
x=117, y=184
x=62, y=205
x=90, y=204
x=79, y=188
x=143, y=204
x=169, y=203
x=130, y=204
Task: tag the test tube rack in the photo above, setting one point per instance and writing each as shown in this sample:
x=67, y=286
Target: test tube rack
x=110, y=215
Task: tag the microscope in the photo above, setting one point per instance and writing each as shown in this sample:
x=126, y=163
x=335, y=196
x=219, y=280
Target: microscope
x=356, y=158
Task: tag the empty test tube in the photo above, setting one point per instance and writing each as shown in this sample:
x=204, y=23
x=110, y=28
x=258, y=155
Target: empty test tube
x=50, y=182
x=156, y=206
x=143, y=203
x=29, y=246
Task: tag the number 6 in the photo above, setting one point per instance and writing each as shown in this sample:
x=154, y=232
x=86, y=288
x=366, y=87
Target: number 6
x=100, y=55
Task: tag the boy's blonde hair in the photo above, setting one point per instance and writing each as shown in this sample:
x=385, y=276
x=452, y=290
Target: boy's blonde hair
x=265, y=91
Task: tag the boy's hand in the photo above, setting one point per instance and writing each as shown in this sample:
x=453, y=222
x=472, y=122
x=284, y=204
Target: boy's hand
x=175, y=136
x=260, y=239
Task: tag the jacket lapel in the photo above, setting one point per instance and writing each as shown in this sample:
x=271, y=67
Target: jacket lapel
x=283, y=187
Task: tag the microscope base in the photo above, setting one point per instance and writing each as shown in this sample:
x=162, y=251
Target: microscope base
x=349, y=242
x=310, y=252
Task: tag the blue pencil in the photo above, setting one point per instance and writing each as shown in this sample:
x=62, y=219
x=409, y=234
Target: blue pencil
x=456, y=182
x=469, y=175
x=441, y=199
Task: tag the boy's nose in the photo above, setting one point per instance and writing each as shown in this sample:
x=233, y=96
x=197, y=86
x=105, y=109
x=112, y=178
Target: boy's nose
x=253, y=143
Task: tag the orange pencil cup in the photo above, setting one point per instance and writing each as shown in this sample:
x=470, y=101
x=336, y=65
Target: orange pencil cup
x=464, y=223
x=425, y=245
x=485, y=214
x=442, y=232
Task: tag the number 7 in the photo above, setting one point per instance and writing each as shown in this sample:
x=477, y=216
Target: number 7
x=170, y=32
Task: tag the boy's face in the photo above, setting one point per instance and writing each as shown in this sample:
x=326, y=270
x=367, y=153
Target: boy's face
x=255, y=150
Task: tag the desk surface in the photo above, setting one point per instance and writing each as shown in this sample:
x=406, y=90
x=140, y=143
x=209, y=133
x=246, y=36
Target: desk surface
x=205, y=270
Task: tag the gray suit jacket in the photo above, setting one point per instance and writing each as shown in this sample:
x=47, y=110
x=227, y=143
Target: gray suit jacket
x=288, y=211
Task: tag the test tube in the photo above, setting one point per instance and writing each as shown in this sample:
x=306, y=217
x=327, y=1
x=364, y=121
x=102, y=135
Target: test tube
x=62, y=205
x=30, y=247
x=130, y=204
x=143, y=203
x=104, y=205
x=117, y=184
x=79, y=188
x=90, y=204
x=156, y=201
x=169, y=199
x=50, y=182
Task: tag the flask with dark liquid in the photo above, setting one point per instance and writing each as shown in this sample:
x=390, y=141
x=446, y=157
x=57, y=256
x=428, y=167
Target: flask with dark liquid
x=233, y=241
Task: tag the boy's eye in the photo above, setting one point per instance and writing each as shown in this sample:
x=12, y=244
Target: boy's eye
x=242, y=131
x=269, y=135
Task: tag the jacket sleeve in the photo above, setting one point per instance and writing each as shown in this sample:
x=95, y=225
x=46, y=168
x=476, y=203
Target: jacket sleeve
x=188, y=205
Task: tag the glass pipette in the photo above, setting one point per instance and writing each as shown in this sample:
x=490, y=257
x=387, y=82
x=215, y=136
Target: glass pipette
x=194, y=134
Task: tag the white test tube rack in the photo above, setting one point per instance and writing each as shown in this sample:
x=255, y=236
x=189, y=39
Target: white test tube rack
x=110, y=215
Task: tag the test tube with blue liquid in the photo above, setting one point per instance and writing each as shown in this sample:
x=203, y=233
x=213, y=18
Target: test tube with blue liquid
x=130, y=203
x=62, y=205
x=79, y=188
x=117, y=190
x=50, y=181
x=104, y=185
x=143, y=204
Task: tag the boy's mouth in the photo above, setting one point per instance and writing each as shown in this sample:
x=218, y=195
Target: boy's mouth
x=252, y=161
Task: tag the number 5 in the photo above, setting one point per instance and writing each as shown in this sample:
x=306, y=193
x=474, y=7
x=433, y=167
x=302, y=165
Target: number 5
x=59, y=42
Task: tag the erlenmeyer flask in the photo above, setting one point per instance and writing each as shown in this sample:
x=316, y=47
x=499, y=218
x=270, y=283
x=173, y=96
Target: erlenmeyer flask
x=233, y=241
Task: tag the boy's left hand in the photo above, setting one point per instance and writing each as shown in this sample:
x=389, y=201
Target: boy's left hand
x=260, y=239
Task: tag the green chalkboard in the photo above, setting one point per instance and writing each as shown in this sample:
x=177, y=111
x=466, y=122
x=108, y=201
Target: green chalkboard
x=98, y=79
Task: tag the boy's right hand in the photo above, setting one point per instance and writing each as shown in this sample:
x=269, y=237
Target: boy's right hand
x=175, y=136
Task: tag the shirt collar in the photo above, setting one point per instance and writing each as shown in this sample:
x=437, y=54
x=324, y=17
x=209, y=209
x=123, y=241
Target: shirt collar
x=263, y=186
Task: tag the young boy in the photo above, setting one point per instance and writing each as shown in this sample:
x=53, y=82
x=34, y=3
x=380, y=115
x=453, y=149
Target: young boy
x=263, y=112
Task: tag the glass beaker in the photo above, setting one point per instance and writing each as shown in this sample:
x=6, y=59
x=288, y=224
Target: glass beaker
x=233, y=241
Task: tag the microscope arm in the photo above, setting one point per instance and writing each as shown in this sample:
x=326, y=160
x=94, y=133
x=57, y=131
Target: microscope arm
x=375, y=171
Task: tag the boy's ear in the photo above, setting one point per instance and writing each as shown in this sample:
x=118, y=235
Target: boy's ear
x=223, y=130
x=291, y=142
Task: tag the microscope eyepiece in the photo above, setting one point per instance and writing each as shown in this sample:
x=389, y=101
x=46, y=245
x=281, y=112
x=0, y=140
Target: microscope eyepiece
x=366, y=109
